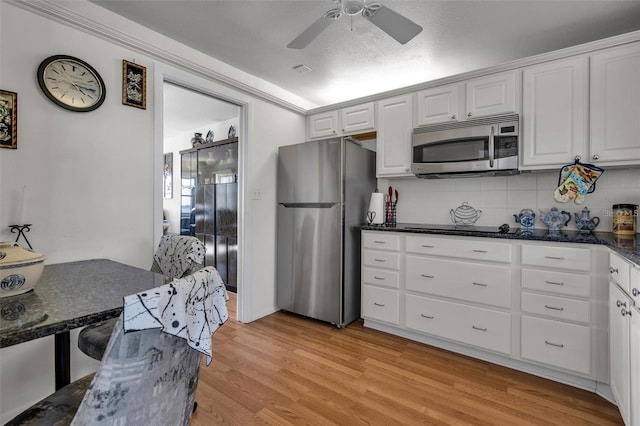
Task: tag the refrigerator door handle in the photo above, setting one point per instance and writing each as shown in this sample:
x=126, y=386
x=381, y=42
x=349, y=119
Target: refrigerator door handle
x=308, y=205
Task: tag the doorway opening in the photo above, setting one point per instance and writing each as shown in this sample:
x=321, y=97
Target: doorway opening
x=201, y=175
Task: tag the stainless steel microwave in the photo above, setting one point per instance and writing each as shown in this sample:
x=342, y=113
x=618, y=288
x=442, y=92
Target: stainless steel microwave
x=484, y=146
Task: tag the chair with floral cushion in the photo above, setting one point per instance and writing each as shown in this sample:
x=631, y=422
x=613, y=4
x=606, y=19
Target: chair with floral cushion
x=175, y=257
x=149, y=372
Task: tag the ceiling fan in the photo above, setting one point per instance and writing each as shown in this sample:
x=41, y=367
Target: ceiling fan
x=389, y=21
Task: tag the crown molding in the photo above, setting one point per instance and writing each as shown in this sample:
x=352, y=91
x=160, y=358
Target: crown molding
x=59, y=13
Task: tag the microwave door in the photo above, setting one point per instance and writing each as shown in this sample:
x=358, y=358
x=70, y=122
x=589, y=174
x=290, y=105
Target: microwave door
x=454, y=156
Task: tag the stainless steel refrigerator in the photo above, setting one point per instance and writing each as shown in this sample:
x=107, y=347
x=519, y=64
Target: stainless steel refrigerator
x=323, y=195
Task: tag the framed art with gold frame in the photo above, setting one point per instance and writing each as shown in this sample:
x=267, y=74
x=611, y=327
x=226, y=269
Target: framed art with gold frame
x=134, y=85
x=8, y=119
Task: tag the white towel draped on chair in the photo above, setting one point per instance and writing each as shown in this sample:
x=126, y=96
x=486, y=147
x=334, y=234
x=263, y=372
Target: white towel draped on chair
x=192, y=308
x=177, y=253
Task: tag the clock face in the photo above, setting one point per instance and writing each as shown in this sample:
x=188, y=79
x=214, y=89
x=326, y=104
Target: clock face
x=71, y=83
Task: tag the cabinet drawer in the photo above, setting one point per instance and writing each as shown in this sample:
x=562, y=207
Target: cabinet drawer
x=381, y=259
x=564, y=283
x=381, y=241
x=381, y=277
x=474, y=249
x=577, y=259
x=619, y=271
x=380, y=304
x=479, y=327
x=557, y=344
x=557, y=307
x=479, y=283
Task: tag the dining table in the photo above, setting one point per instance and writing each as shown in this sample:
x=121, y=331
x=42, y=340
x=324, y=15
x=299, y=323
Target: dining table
x=67, y=296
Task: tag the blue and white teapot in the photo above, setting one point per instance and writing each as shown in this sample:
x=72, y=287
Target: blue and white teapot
x=584, y=223
x=554, y=219
x=526, y=218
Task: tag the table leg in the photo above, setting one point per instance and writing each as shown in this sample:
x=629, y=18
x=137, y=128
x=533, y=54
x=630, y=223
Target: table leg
x=62, y=359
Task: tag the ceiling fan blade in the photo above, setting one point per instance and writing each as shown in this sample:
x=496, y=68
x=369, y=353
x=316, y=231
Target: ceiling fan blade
x=392, y=23
x=308, y=35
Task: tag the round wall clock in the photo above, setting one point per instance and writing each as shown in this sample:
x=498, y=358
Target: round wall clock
x=71, y=83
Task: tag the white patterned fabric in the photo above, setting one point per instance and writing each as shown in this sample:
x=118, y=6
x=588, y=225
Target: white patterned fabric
x=192, y=308
x=178, y=253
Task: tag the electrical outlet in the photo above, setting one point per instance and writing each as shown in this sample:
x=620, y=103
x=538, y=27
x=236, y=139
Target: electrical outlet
x=257, y=194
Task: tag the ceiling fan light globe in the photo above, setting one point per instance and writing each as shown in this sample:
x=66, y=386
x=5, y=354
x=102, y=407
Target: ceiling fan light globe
x=352, y=7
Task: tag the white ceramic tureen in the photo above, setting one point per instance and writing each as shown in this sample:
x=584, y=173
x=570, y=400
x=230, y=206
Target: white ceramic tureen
x=20, y=269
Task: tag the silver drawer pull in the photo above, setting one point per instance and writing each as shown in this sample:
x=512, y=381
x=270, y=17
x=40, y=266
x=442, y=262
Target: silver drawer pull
x=620, y=303
x=612, y=270
x=554, y=308
x=554, y=344
x=426, y=246
x=479, y=251
x=553, y=283
x=379, y=278
x=480, y=284
x=554, y=258
x=378, y=304
x=426, y=316
x=380, y=242
x=426, y=276
x=478, y=328
x=380, y=260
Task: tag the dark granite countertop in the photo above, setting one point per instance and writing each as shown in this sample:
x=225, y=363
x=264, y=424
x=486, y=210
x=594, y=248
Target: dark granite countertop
x=628, y=247
x=71, y=295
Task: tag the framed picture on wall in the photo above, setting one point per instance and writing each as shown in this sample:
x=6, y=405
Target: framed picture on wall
x=134, y=85
x=8, y=119
x=167, y=182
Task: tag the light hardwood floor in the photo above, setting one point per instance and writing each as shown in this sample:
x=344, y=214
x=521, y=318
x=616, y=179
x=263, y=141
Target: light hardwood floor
x=286, y=369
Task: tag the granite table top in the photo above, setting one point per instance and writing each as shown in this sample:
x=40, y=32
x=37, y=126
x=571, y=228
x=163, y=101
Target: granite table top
x=71, y=295
x=626, y=246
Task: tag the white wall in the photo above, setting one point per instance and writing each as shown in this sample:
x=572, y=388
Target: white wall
x=499, y=197
x=92, y=178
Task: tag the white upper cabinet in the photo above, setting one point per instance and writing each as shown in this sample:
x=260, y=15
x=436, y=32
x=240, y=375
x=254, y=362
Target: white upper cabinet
x=438, y=105
x=358, y=118
x=615, y=105
x=491, y=95
x=393, y=141
x=323, y=125
x=554, y=112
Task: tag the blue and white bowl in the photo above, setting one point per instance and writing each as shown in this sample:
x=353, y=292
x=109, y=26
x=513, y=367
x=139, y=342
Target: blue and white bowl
x=20, y=269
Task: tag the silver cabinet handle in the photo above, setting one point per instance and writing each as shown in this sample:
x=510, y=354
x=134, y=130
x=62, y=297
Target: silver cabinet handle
x=554, y=283
x=635, y=292
x=426, y=276
x=557, y=345
x=426, y=246
x=554, y=258
x=620, y=303
x=468, y=114
x=596, y=157
x=407, y=169
x=613, y=270
x=554, y=308
x=379, y=278
x=453, y=117
x=378, y=304
x=625, y=312
x=479, y=251
x=380, y=242
x=380, y=260
x=478, y=328
x=426, y=316
x=479, y=284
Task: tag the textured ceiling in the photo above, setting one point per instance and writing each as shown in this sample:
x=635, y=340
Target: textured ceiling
x=353, y=58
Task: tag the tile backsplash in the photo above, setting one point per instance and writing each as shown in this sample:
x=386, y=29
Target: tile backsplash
x=500, y=197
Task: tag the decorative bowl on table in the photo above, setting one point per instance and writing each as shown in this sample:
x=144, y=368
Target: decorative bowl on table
x=20, y=269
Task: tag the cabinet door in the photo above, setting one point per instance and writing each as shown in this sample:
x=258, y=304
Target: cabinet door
x=554, y=111
x=358, y=118
x=619, y=350
x=323, y=125
x=635, y=367
x=615, y=105
x=438, y=105
x=494, y=94
x=393, y=144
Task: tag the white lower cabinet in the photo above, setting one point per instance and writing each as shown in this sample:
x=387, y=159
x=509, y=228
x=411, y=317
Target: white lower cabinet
x=558, y=344
x=634, y=352
x=529, y=305
x=619, y=351
x=483, y=328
